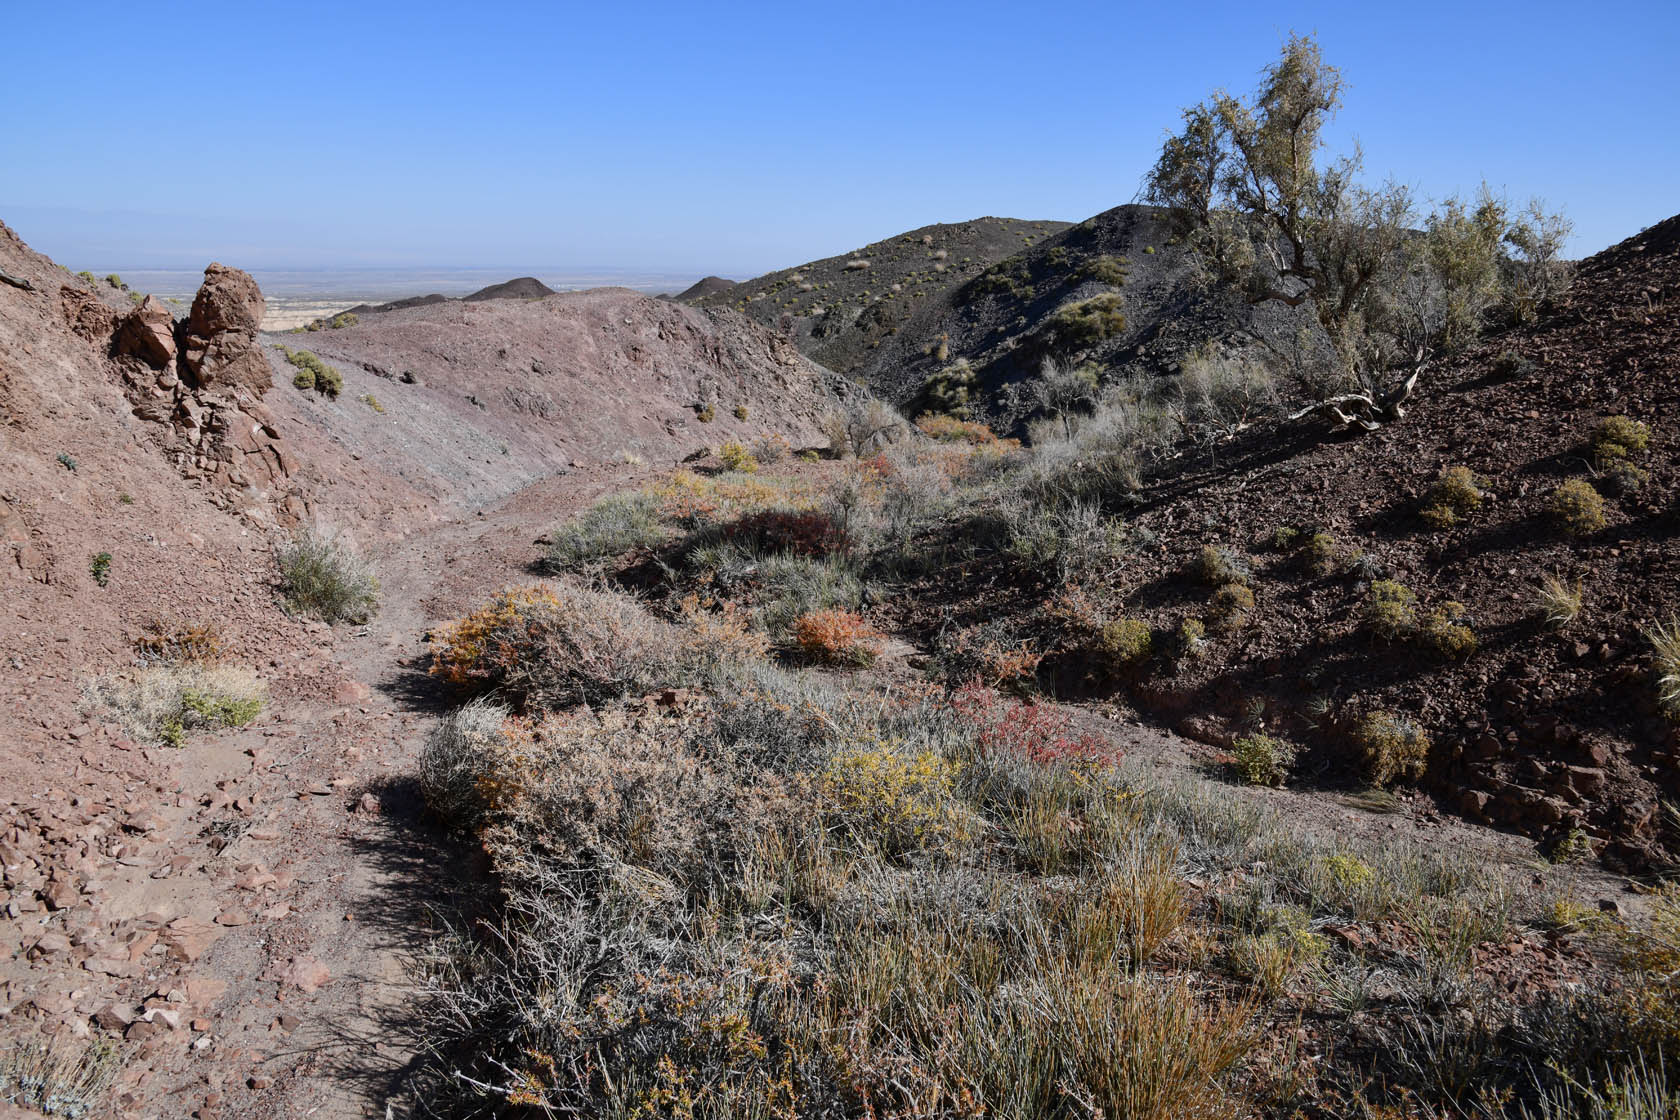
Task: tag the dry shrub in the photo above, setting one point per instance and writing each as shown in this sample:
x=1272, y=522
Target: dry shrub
x=837, y=637
x=1665, y=663
x=1216, y=566
x=1037, y=733
x=608, y=529
x=162, y=641
x=771, y=447
x=164, y=702
x=979, y=653
x=719, y=633
x=796, y=532
x=455, y=757
x=602, y=790
x=550, y=646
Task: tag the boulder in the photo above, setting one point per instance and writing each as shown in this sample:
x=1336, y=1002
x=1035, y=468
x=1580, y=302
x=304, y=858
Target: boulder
x=148, y=333
x=221, y=349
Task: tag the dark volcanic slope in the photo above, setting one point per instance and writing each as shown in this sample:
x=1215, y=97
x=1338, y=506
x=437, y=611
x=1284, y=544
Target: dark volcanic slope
x=843, y=309
x=700, y=289
x=1541, y=730
x=523, y=287
x=999, y=321
x=398, y=304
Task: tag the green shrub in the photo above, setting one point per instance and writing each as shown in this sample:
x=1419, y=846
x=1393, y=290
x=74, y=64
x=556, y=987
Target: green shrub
x=1322, y=554
x=1190, y=639
x=1391, y=611
x=372, y=402
x=343, y=319
x=1446, y=633
x=99, y=567
x=321, y=576
x=1391, y=747
x=1455, y=495
x=736, y=457
x=1285, y=537
x=114, y=280
x=1621, y=476
x=1104, y=269
x=313, y=373
x=65, y=461
x=1576, y=508
x=1264, y=760
x=741, y=412
x=1620, y=437
x=951, y=390
x=1123, y=644
x=1089, y=321
x=705, y=413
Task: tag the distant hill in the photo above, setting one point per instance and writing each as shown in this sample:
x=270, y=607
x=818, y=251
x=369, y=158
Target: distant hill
x=523, y=287
x=700, y=289
x=397, y=304
x=843, y=309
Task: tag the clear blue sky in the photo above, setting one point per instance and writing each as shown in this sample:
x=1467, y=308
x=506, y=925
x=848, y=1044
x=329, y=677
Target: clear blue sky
x=735, y=138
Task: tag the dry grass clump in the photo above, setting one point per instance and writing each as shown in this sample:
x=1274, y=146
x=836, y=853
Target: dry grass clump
x=453, y=761
x=554, y=645
x=837, y=637
x=1264, y=760
x=61, y=1076
x=164, y=641
x=1576, y=508
x=1455, y=496
x=771, y=447
x=1557, y=602
x=613, y=526
x=161, y=704
x=322, y=576
x=1665, y=663
x=945, y=428
x=1391, y=747
x=1087, y=322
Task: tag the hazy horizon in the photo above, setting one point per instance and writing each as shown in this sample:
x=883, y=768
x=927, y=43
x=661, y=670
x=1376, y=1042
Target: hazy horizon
x=735, y=141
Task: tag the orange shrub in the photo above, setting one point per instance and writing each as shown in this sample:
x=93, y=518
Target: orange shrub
x=949, y=429
x=837, y=637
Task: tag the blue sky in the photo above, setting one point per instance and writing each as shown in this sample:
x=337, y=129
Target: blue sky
x=736, y=138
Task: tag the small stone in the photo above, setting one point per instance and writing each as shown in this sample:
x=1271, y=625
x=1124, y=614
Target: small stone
x=307, y=974
x=233, y=918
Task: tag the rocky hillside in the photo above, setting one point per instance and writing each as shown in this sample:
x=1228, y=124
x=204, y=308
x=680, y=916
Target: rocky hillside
x=1004, y=322
x=466, y=401
x=1382, y=582
x=844, y=311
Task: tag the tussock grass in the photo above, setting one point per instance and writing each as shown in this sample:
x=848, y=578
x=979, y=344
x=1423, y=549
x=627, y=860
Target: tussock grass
x=322, y=576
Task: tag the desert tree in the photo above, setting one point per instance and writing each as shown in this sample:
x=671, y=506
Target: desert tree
x=1246, y=184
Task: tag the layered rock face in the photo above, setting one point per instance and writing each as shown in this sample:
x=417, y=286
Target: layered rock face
x=204, y=380
x=220, y=348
